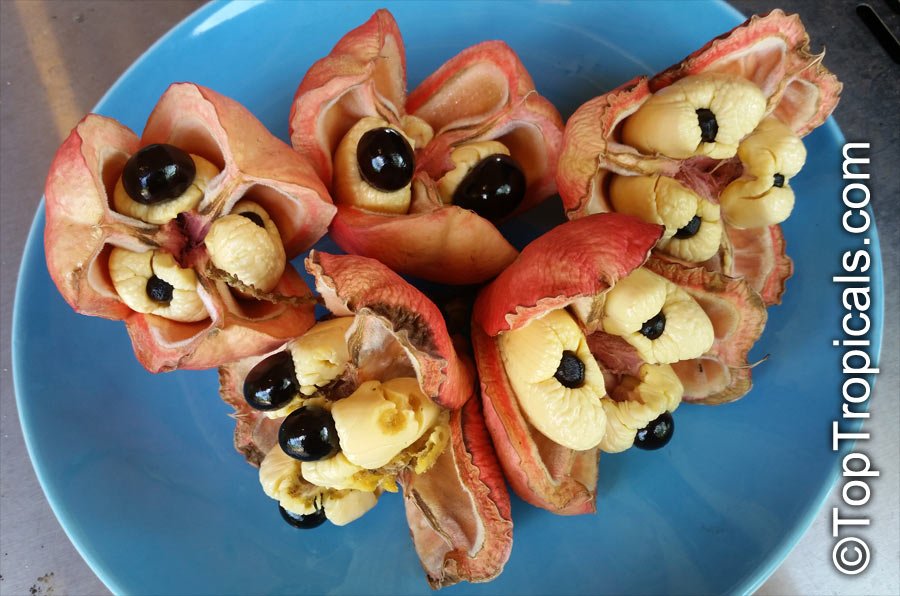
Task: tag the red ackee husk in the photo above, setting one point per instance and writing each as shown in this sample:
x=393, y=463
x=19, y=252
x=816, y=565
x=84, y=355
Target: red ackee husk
x=458, y=511
x=82, y=227
x=770, y=50
x=566, y=266
x=365, y=75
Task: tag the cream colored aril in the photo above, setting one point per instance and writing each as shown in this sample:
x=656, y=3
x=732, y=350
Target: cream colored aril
x=321, y=355
x=641, y=296
x=343, y=507
x=280, y=477
x=705, y=242
x=239, y=246
x=164, y=211
x=379, y=420
x=570, y=416
x=348, y=184
x=757, y=198
x=668, y=123
x=132, y=271
x=335, y=472
x=464, y=158
x=663, y=200
x=654, y=199
x=637, y=401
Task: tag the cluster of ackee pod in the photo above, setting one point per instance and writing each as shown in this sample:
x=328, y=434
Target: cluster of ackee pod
x=584, y=342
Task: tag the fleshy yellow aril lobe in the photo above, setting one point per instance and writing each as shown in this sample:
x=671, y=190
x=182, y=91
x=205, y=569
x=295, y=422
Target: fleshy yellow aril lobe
x=570, y=416
x=761, y=196
x=464, y=158
x=669, y=124
x=663, y=200
x=636, y=402
x=279, y=475
x=162, y=212
x=704, y=243
x=686, y=331
x=250, y=252
x=343, y=507
x=379, y=420
x=335, y=472
x=132, y=271
x=320, y=355
x=655, y=199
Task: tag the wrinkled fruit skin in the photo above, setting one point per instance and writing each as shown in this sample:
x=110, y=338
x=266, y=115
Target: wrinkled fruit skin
x=365, y=75
x=799, y=91
x=561, y=267
x=81, y=227
x=435, y=507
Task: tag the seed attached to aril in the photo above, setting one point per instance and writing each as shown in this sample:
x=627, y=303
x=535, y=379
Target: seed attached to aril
x=385, y=159
x=493, y=188
x=303, y=522
x=308, y=434
x=656, y=434
x=158, y=173
x=271, y=384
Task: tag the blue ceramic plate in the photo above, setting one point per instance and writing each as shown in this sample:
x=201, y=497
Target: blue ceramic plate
x=140, y=468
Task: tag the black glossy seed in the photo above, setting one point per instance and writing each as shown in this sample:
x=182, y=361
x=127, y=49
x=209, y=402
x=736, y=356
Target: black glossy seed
x=159, y=290
x=254, y=217
x=654, y=327
x=570, y=372
x=385, y=159
x=493, y=188
x=158, y=173
x=709, y=128
x=272, y=383
x=304, y=522
x=690, y=228
x=779, y=181
x=656, y=434
x=308, y=434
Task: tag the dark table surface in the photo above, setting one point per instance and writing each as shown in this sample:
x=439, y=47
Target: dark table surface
x=60, y=57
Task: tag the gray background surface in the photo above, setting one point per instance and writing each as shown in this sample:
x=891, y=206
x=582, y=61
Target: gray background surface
x=89, y=44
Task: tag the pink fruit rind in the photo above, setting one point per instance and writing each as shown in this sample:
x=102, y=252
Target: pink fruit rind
x=758, y=255
x=465, y=486
x=365, y=287
x=76, y=213
x=365, y=75
x=446, y=244
x=358, y=63
x=590, y=148
x=81, y=227
x=599, y=250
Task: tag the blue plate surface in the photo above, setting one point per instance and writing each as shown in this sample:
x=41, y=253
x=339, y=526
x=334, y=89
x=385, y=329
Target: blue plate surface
x=140, y=468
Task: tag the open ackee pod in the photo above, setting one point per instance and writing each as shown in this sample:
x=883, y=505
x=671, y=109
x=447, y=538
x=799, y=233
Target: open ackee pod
x=458, y=509
x=83, y=227
x=482, y=94
x=772, y=52
x=566, y=267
